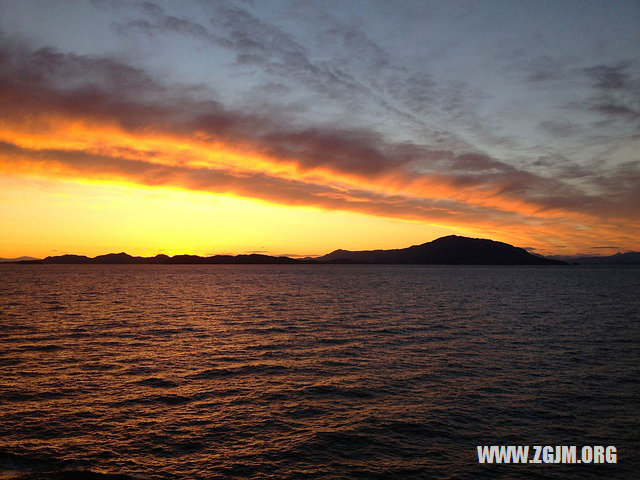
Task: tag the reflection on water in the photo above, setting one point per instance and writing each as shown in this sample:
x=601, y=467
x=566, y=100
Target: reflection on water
x=325, y=372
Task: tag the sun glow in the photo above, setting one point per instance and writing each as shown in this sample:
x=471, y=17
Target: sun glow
x=88, y=186
x=48, y=216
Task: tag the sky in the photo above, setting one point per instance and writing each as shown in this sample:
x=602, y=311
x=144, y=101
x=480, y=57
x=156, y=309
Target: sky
x=296, y=128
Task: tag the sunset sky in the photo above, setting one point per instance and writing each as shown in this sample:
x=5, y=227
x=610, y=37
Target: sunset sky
x=297, y=128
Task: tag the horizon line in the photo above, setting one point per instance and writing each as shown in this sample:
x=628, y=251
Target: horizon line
x=266, y=253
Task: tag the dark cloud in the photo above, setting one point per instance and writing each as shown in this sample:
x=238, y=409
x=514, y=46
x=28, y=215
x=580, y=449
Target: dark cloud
x=616, y=110
x=475, y=162
x=352, y=47
x=558, y=129
x=609, y=77
x=249, y=35
x=600, y=100
x=563, y=168
x=540, y=68
x=542, y=76
x=158, y=22
x=619, y=190
x=617, y=97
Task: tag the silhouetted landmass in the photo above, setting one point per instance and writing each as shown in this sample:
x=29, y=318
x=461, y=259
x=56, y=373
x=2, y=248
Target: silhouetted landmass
x=124, y=259
x=451, y=250
x=629, y=258
x=62, y=259
x=16, y=259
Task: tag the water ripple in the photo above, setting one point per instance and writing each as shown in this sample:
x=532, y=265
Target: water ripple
x=317, y=372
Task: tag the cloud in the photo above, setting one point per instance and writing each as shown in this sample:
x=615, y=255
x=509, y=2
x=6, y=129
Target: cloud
x=352, y=72
x=558, y=128
x=45, y=82
x=616, y=110
x=255, y=185
x=617, y=93
x=539, y=68
x=158, y=22
x=608, y=77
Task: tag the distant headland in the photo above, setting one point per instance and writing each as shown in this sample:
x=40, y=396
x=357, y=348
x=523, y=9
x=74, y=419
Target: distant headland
x=450, y=250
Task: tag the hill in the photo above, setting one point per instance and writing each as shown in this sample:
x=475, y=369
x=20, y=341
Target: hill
x=451, y=250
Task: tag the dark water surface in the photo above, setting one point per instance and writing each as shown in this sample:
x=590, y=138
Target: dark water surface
x=314, y=372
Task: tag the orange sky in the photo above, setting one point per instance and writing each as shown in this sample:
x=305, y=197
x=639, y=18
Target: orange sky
x=141, y=192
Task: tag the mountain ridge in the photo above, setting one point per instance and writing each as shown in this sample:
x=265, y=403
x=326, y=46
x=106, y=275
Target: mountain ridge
x=450, y=250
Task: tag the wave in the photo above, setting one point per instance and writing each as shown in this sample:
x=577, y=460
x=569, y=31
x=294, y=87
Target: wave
x=22, y=467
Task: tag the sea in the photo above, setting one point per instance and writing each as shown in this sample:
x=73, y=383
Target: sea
x=315, y=371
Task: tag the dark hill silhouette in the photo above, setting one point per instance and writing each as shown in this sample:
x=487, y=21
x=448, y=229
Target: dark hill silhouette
x=452, y=250
x=161, y=259
x=61, y=259
x=115, y=258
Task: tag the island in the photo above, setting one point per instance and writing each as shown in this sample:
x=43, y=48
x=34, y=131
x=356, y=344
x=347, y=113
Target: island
x=450, y=250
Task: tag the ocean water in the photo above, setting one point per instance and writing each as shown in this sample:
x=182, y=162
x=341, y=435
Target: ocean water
x=314, y=372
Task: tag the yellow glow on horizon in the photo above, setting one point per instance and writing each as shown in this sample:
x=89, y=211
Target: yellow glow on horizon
x=51, y=217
